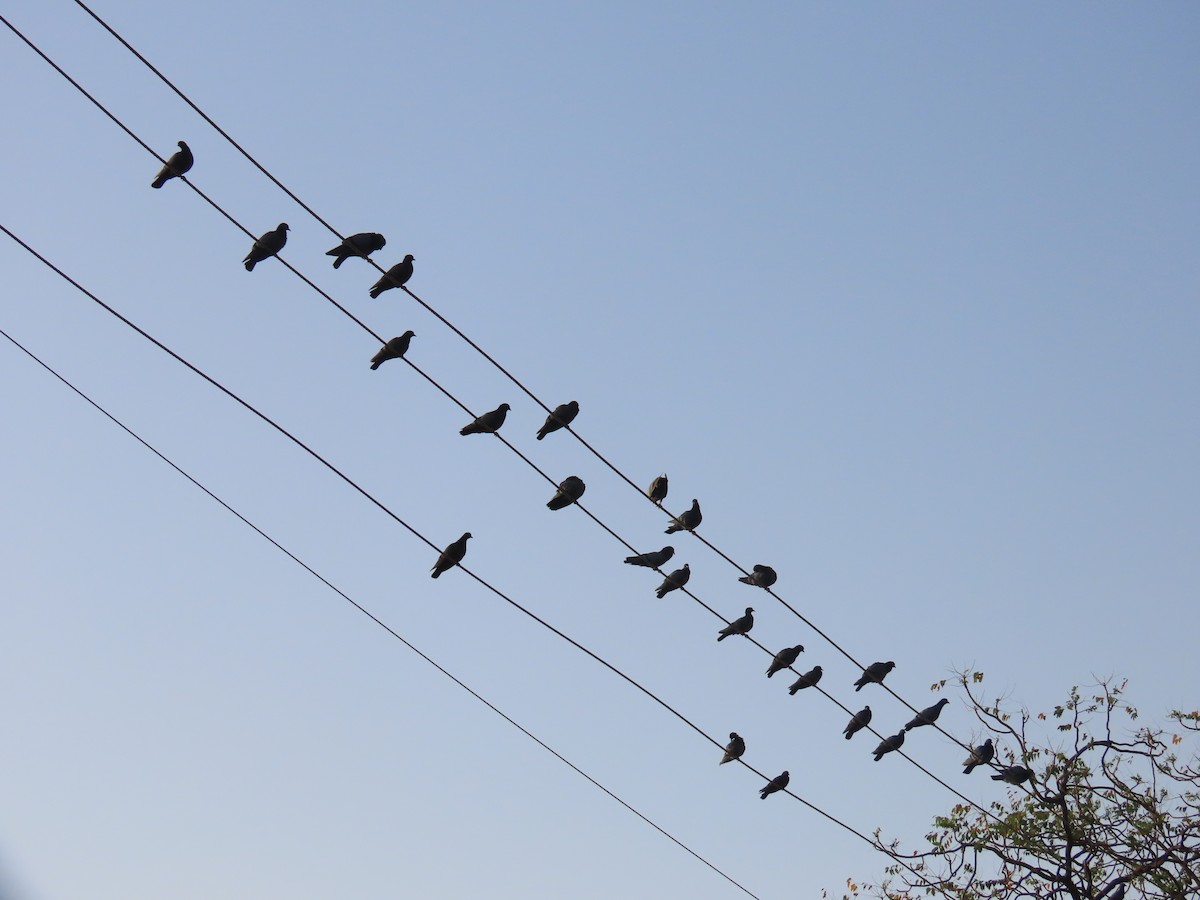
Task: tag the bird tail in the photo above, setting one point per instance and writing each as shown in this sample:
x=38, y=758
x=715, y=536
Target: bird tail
x=792, y=690
x=159, y=181
x=541, y=433
x=632, y=560
x=849, y=735
x=746, y=579
x=660, y=593
x=467, y=429
x=998, y=777
x=721, y=637
x=969, y=769
x=375, y=292
x=671, y=529
x=878, y=757
x=858, y=687
x=249, y=265
x=436, y=573
x=762, y=795
x=771, y=673
x=337, y=263
x=376, y=365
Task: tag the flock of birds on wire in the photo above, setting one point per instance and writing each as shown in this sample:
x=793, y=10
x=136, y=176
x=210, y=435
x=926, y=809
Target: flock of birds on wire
x=571, y=489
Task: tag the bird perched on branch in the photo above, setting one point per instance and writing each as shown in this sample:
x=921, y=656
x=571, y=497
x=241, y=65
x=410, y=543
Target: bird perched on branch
x=451, y=556
x=873, y=674
x=980, y=756
x=489, y=422
x=784, y=658
x=686, y=520
x=674, y=581
x=178, y=163
x=362, y=245
x=569, y=491
x=741, y=625
x=266, y=246
x=652, y=560
x=761, y=576
x=734, y=749
x=562, y=416
x=396, y=276
x=393, y=349
x=1013, y=775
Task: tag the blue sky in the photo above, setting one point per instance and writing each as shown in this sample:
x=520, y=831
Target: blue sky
x=906, y=295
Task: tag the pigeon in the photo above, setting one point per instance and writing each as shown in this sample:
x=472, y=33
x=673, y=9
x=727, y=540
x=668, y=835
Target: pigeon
x=1013, y=775
x=569, y=491
x=737, y=626
x=784, y=658
x=778, y=783
x=266, y=246
x=734, y=749
x=658, y=489
x=674, y=581
x=980, y=756
x=562, y=416
x=762, y=576
x=489, y=422
x=179, y=163
x=927, y=716
x=362, y=244
x=808, y=679
x=873, y=674
x=860, y=720
x=652, y=560
x=395, y=277
x=451, y=556
x=393, y=349
x=687, y=520
x=887, y=745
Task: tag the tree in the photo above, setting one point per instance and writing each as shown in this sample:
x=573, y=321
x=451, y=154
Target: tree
x=1111, y=810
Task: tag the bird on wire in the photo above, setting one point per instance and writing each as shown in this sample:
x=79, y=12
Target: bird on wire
x=361, y=245
x=178, y=163
x=686, y=520
x=266, y=246
x=740, y=625
x=396, y=276
x=489, y=422
x=393, y=349
x=563, y=415
x=451, y=556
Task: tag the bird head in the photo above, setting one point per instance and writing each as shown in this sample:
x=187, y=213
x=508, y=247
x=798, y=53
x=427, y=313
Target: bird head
x=409, y=334
x=283, y=226
x=409, y=258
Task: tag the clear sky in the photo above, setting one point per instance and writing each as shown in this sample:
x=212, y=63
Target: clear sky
x=905, y=294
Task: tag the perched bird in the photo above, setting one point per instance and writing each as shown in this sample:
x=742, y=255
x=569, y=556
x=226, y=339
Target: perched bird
x=887, y=745
x=927, y=716
x=266, y=246
x=489, y=422
x=860, y=720
x=686, y=520
x=362, y=244
x=674, y=581
x=451, y=556
x=393, y=349
x=395, y=277
x=873, y=674
x=652, y=560
x=569, y=491
x=762, y=576
x=562, y=416
x=734, y=749
x=658, y=489
x=178, y=163
x=738, y=626
x=980, y=756
x=778, y=783
x=1013, y=775
x=784, y=658
x=808, y=679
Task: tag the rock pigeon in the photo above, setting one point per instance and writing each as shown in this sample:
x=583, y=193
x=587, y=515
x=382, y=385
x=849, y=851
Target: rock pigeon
x=562, y=416
x=362, y=244
x=784, y=658
x=860, y=720
x=980, y=756
x=266, y=246
x=762, y=576
x=1013, y=775
x=778, y=783
x=687, y=520
x=734, y=749
x=652, y=560
x=393, y=349
x=927, y=716
x=178, y=163
x=873, y=674
x=674, y=581
x=451, y=556
x=395, y=277
x=888, y=744
x=737, y=626
x=489, y=422
x=658, y=489
x=569, y=491
x=808, y=679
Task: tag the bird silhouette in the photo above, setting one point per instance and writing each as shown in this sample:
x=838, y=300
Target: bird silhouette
x=734, y=749
x=778, y=783
x=739, y=625
x=927, y=716
x=451, y=556
x=362, y=245
x=859, y=721
x=562, y=416
x=807, y=680
x=674, y=581
x=393, y=349
x=980, y=756
x=652, y=560
x=784, y=658
x=873, y=674
x=489, y=422
x=569, y=491
x=266, y=246
x=686, y=520
x=396, y=276
x=178, y=163
x=658, y=489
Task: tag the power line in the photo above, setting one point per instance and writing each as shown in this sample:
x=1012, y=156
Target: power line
x=417, y=534
x=455, y=400
x=370, y=615
x=495, y=363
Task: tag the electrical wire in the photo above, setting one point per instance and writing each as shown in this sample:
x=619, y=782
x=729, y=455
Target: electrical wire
x=455, y=400
x=495, y=363
x=421, y=537
x=370, y=615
